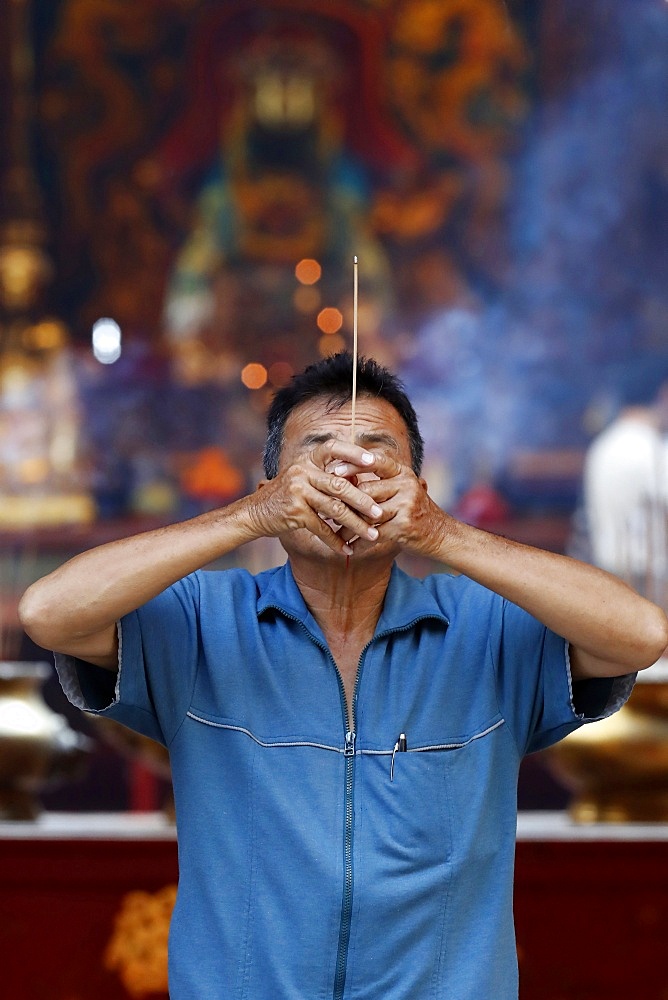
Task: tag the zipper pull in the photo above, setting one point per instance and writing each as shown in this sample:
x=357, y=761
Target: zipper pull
x=349, y=750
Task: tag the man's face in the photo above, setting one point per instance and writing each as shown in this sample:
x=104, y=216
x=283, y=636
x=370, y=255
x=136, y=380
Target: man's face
x=378, y=427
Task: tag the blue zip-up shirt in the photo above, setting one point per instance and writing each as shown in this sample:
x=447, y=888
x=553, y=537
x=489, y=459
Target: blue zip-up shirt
x=319, y=859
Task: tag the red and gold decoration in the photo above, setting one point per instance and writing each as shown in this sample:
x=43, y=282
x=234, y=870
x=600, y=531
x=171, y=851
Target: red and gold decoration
x=453, y=76
x=202, y=152
x=206, y=148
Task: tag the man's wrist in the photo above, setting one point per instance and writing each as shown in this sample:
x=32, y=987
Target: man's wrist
x=449, y=536
x=240, y=517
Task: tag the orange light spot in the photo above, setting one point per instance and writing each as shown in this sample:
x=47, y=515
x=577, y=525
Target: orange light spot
x=254, y=376
x=308, y=271
x=330, y=320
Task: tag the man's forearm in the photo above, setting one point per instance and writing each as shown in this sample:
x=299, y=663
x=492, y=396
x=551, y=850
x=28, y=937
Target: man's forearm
x=610, y=628
x=94, y=589
x=87, y=595
x=613, y=627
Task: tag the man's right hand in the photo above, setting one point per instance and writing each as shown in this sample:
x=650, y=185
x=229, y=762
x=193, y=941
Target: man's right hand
x=309, y=494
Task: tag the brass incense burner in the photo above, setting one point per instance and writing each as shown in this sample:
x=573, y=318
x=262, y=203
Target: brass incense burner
x=617, y=769
x=38, y=749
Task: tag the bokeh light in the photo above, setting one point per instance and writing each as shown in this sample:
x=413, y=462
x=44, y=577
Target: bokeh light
x=106, y=337
x=48, y=335
x=254, y=375
x=308, y=271
x=330, y=320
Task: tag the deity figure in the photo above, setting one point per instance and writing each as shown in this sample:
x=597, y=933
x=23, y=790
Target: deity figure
x=284, y=188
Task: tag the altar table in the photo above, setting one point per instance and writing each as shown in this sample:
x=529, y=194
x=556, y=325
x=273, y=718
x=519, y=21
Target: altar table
x=591, y=904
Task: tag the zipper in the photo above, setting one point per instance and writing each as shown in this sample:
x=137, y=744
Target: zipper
x=347, y=901
x=349, y=813
x=348, y=829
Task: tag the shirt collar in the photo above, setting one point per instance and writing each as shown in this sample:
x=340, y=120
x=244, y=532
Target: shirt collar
x=407, y=600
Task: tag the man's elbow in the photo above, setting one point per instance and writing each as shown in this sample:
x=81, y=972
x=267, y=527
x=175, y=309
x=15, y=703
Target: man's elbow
x=36, y=618
x=654, y=639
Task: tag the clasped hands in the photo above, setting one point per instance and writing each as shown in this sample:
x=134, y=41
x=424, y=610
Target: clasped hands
x=346, y=495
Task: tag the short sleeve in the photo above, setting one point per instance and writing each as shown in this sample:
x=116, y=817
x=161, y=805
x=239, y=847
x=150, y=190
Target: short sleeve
x=535, y=689
x=158, y=657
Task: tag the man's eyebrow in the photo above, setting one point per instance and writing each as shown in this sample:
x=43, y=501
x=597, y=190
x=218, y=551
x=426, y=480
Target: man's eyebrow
x=377, y=437
x=367, y=438
x=311, y=439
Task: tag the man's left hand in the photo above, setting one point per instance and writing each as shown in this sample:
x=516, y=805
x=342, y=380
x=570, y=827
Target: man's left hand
x=410, y=518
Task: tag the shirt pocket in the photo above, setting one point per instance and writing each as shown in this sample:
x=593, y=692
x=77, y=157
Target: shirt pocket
x=436, y=797
x=443, y=745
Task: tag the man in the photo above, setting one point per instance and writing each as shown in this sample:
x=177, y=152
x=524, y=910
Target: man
x=345, y=740
x=625, y=491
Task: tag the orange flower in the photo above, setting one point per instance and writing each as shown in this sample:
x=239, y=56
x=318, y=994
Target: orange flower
x=209, y=475
x=138, y=946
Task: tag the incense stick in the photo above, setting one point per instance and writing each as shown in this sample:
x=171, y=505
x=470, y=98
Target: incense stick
x=354, y=389
x=354, y=392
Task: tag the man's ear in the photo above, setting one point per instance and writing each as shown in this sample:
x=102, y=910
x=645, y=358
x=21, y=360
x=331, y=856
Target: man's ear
x=263, y=482
x=423, y=484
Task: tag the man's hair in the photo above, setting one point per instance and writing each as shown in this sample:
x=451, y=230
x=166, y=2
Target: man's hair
x=331, y=379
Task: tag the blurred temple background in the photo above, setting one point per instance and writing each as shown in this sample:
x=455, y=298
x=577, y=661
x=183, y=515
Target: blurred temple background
x=183, y=185
x=201, y=174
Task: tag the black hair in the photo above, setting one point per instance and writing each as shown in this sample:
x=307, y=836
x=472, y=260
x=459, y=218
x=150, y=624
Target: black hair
x=331, y=379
